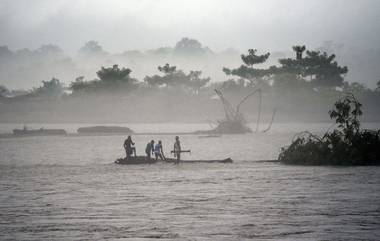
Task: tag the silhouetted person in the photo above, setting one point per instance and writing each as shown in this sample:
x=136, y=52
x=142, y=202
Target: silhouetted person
x=177, y=149
x=129, y=149
x=149, y=149
x=158, y=151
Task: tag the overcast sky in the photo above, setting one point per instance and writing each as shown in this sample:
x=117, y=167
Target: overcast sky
x=142, y=24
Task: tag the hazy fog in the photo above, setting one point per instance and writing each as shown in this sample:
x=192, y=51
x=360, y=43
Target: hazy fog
x=120, y=25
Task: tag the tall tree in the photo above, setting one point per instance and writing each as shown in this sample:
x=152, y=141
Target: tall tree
x=247, y=71
x=320, y=68
x=172, y=77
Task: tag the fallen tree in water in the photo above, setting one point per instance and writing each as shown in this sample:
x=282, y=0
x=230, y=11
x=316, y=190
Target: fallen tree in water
x=345, y=145
x=234, y=122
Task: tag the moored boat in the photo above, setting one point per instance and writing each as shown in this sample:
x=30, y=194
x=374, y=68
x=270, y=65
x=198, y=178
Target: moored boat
x=143, y=160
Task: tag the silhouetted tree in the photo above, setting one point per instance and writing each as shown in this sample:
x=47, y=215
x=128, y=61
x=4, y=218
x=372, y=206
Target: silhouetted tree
x=196, y=83
x=110, y=79
x=321, y=68
x=299, y=51
x=177, y=78
x=189, y=47
x=378, y=86
x=50, y=50
x=91, y=48
x=246, y=71
x=50, y=89
x=5, y=52
x=114, y=73
x=167, y=69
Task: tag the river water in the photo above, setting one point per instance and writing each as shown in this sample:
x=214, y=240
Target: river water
x=67, y=188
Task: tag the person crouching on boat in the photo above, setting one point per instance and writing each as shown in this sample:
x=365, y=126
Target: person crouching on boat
x=177, y=149
x=158, y=151
x=149, y=149
x=129, y=148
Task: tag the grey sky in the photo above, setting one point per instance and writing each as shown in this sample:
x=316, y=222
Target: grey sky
x=142, y=24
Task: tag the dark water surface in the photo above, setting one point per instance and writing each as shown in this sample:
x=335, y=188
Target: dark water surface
x=67, y=188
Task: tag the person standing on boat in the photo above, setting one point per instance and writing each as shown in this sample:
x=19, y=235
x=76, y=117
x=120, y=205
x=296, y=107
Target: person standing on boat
x=129, y=148
x=149, y=149
x=177, y=149
x=158, y=151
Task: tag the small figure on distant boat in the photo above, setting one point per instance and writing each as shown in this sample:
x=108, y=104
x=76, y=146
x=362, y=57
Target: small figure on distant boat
x=149, y=149
x=158, y=151
x=129, y=148
x=177, y=149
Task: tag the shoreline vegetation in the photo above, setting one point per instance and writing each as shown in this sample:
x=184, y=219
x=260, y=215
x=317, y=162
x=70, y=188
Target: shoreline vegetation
x=346, y=145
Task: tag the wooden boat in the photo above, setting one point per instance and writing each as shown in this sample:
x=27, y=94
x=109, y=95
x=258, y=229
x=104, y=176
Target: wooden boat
x=142, y=160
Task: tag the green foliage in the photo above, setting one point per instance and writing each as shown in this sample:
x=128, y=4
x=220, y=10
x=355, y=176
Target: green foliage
x=321, y=68
x=167, y=69
x=346, y=145
x=178, y=79
x=346, y=114
x=246, y=71
x=189, y=47
x=299, y=50
x=252, y=58
x=110, y=79
x=289, y=81
x=51, y=89
x=91, y=48
x=114, y=74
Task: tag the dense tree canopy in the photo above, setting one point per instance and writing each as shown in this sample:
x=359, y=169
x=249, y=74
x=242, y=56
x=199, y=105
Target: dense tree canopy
x=114, y=73
x=320, y=68
x=112, y=78
x=246, y=71
x=189, y=47
x=177, y=78
x=91, y=48
x=50, y=89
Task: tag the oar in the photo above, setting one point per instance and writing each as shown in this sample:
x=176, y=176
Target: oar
x=182, y=151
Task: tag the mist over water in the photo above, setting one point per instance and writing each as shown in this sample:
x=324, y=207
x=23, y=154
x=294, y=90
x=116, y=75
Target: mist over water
x=289, y=90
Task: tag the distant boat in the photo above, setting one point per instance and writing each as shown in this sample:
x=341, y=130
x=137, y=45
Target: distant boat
x=104, y=130
x=142, y=160
x=210, y=136
x=38, y=132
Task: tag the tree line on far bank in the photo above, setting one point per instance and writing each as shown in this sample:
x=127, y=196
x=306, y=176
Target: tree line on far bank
x=309, y=70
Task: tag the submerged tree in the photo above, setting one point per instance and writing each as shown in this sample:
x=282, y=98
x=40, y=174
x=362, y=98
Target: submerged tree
x=346, y=145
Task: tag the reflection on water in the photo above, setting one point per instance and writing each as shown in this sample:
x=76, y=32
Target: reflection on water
x=67, y=188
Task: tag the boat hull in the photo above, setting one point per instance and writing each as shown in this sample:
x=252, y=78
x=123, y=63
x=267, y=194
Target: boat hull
x=143, y=160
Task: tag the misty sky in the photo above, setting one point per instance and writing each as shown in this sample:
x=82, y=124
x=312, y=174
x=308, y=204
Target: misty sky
x=121, y=25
